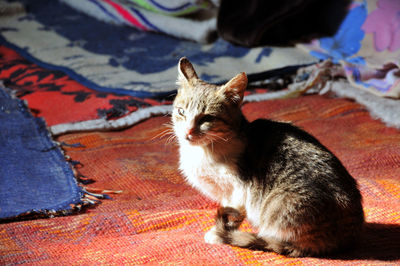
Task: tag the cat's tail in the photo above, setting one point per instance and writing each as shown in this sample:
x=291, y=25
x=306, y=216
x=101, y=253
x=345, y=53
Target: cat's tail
x=227, y=223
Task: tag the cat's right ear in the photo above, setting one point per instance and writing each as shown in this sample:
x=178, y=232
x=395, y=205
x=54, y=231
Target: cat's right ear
x=186, y=71
x=234, y=89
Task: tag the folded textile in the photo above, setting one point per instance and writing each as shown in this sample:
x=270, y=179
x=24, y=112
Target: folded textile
x=367, y=46
x=174, y=7
x=35, y=178
x=151, y=15
x=327, y=78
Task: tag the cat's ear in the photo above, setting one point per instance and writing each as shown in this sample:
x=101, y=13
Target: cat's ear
x=186, y=71
x=234, y=89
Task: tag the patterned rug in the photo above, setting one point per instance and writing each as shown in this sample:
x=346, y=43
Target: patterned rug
x=160, y=219
x=124, y=60
x=60, y=99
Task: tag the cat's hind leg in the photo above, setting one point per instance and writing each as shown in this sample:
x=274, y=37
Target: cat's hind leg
x=227, y=223
x=227, y=219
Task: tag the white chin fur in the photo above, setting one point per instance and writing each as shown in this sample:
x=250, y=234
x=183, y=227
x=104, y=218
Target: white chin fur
x=195, y=142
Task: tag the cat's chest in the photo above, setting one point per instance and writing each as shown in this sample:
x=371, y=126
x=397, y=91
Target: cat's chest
x=194, y=161
x=216, y=180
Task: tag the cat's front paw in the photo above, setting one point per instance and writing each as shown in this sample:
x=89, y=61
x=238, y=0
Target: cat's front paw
x=211, y=237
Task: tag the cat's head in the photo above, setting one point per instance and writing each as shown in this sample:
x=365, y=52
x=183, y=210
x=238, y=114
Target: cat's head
x=204, y=113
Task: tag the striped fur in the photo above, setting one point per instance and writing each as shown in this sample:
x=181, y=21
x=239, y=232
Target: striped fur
x=284, y=181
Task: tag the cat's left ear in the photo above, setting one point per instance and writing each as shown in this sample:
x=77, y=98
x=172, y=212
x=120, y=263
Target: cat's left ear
x=186, y=72
x=234, y=89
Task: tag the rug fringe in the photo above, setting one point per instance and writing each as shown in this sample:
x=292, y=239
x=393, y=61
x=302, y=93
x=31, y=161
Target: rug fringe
x=102, y=191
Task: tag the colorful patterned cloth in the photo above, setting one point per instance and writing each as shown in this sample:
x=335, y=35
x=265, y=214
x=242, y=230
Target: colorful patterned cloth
x=160, y=219
x=60, y=99
x=151, y=15
x=174, y=7
x=367, y=46
x=123, y=60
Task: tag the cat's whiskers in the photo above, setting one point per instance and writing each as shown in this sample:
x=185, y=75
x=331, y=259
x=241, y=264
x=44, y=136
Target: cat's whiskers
x=162, y=134
x=171, y=138
x=212, y=143
x=168, y=124
x=169, y=133
x=217, y=136
x=165, y=132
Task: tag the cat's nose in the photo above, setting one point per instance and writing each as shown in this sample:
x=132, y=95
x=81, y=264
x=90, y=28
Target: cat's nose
x=189, y=134
x=189, y=137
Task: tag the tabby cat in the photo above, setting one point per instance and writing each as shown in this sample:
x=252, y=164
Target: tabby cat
x=295, y=192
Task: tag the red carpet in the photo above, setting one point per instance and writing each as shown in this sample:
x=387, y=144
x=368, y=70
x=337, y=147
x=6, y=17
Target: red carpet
x=160, y=219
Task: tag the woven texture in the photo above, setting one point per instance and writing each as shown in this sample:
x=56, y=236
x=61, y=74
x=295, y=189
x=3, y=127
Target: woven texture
x=60, y=99
x=34, y=176
x=160, y=219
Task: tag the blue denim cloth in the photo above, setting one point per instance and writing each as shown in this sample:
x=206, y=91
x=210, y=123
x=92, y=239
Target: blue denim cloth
x=34, y=175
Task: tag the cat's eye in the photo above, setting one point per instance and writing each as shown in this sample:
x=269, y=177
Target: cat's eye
x=207, y=118
x=181, y=112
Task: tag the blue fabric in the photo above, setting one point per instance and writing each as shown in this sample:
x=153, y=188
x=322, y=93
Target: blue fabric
x=34, y=175
x=347, y=41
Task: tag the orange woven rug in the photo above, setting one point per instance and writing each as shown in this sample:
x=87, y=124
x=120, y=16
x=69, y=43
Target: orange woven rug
x=159, y=219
